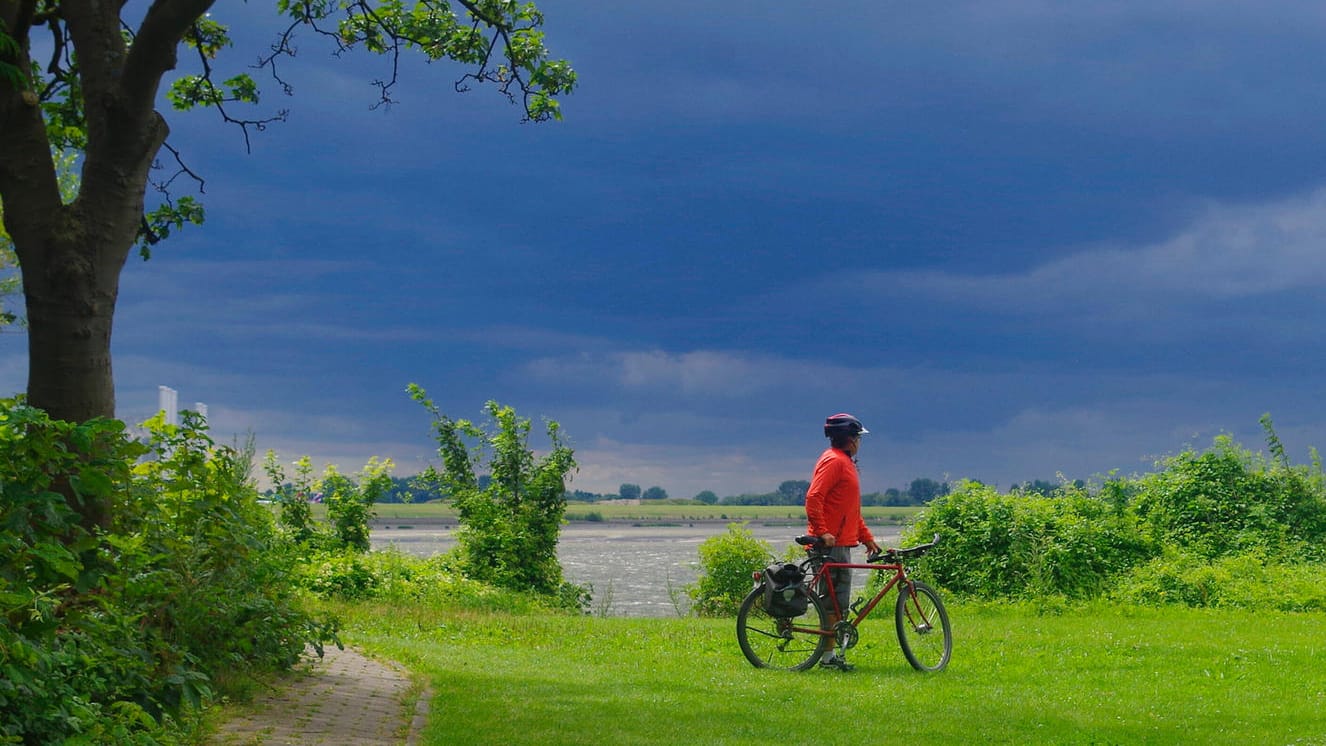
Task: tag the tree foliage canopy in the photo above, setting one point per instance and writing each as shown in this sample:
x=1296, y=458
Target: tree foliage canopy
x=85, y=78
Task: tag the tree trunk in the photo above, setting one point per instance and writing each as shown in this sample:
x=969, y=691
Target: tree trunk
x=71, y=255
x=70, y=294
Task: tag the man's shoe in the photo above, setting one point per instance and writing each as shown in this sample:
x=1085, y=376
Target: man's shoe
x=833, y=660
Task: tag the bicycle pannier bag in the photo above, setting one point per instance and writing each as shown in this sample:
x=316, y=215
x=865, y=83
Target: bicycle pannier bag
x=784, y=593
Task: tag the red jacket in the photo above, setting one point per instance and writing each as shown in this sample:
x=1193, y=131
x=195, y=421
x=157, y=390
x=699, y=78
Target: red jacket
x=833, y=501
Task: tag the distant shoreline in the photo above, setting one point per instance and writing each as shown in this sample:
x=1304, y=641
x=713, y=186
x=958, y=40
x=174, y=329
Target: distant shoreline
x=585, y=516
x=443, y=521
x=447, y=522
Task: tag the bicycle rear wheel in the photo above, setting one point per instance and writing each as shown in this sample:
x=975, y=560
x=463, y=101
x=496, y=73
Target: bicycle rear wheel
x=923, y=629
x=778, y=642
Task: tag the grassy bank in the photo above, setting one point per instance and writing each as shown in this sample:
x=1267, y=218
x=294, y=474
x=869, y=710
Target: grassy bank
x=1103, y=675
x=646, y=512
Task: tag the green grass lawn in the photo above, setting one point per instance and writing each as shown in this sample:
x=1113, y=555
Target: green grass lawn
x=1098, y=676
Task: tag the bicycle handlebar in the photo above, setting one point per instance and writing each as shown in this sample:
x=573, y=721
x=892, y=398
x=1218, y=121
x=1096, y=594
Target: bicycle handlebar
x=892, y=554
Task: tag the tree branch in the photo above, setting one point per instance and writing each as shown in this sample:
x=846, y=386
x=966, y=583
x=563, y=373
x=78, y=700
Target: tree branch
x=28, y=183
x=155, y=45
x=58, y=47
x=433, y=31
x=219, y=105
x=183, y=170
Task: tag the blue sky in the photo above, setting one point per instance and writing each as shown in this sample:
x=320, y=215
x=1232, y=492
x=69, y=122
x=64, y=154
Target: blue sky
x=1017, y=239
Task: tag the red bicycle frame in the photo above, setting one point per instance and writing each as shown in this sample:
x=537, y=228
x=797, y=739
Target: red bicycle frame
x=823, y=580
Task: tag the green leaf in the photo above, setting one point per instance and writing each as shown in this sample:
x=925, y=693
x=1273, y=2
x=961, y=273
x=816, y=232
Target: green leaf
x=208, y=37
x=243, y=88
x=9, y=47
x=58, y=559
x=92, y=480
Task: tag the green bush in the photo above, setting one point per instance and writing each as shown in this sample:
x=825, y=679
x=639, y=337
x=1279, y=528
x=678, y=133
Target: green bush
x=511, y=521
x=1011, y=546
x=338, y=574
x=1225, y=527
x=217, y=554
x=727, y=562
x=1229, y=501
x=349, y=503
x=392, y=577
x=296, y=514
x=113, y=636
x=1248, y=581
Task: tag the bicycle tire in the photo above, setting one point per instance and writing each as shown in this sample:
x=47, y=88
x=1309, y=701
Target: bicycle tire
x=926, y=648
x=770, y=642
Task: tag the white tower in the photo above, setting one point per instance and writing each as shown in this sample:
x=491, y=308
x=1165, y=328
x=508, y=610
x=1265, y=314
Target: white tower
x=168, y=401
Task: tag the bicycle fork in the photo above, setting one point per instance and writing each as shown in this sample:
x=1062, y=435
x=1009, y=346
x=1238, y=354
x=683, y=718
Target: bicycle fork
x=912, y=609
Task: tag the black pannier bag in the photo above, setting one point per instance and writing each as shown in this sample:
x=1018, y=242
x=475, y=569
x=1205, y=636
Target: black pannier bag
x=784, y=593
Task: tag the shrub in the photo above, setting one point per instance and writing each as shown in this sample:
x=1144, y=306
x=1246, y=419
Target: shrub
x=59, y=668
x=339, y=575
x=216, y=554
x=109, y=635
x=726, y=564
x=296, y=514
x=350, y=505
x=1225, y=527
x=1229, y=501
x=510, y=522
x=392, y=577
x=1234, y=581
x=1010, y=546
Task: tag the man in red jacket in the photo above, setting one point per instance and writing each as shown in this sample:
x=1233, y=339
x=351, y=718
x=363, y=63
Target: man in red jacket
x=833, y=512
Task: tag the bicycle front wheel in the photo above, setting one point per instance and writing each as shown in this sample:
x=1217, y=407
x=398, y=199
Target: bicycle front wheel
x=923, y=629
x=793, y=644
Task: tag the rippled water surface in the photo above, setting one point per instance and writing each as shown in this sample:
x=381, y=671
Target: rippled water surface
x=630, y=567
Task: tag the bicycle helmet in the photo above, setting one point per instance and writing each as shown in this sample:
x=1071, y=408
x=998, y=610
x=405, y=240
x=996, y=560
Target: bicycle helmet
x=843, y=424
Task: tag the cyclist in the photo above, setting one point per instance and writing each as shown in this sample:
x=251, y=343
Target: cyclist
x=833, y=513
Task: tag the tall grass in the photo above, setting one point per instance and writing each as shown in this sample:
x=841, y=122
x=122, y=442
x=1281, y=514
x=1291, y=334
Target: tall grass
x=1093, y=674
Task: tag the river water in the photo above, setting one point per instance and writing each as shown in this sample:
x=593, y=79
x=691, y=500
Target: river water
x=634, y=570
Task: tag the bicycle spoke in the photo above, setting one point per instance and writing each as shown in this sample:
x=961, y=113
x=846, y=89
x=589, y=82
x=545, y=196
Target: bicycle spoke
x=923, y=628
x=770, y=642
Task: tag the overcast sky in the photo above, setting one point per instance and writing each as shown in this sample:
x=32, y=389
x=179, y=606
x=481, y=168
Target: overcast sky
x=1017, y=239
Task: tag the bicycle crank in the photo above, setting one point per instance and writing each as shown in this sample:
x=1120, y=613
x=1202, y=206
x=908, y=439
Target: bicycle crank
x=845, y=635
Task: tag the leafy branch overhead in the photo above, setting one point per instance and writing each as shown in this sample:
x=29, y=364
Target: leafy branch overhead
x=500, y=42
x=87, y=79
